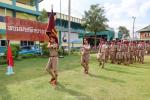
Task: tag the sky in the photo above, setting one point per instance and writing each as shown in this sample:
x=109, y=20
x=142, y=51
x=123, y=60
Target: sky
x=118, y=12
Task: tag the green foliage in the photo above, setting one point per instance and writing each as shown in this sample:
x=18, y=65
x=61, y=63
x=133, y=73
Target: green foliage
x=26, y=56
x=43, y=17
x=45, y=49
x=62, y=52
x=94, y=19
x=15, y=50
x=75, y=50
x=2, y=60
x=32, y=2
x=124, y=30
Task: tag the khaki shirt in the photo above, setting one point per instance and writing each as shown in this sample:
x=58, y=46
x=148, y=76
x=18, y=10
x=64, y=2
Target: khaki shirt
x=112, y=47
x=85, y=49
x=53, y=49
x=119, y=48
x=102, y=48
x=141, y=46
x=131, y=47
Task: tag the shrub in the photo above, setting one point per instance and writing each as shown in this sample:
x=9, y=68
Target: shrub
x=3, y=60
x=62, y=52
x=45, y=49
x=25, y=56
x=15, y=50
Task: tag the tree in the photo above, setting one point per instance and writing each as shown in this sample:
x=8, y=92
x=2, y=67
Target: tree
x=94, y=19
x=44, y=16
x=124, y=31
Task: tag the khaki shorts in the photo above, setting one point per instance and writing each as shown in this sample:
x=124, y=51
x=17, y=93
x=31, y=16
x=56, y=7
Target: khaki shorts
x=85, y=58
x=119, y=55
x=101, y=57
x=52, y=63
x=141, y=53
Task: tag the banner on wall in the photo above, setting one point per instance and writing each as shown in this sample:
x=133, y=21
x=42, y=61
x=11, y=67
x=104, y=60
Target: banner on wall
x=74, y=38
x=23, y=29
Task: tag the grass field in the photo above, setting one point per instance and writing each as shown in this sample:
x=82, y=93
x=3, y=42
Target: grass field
x=115, y=82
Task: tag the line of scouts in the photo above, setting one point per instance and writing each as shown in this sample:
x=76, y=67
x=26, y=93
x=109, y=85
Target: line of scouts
x=126, y=52
x=116, y=51
x=120, y=52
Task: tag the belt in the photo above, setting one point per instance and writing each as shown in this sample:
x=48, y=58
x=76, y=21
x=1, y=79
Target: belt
x=53, y=56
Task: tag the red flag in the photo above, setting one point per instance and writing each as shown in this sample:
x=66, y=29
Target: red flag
x=10, y=60
x=51, y=31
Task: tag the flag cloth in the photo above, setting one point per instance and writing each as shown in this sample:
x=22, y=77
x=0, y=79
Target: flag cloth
x=10, y=60
x=51, y=31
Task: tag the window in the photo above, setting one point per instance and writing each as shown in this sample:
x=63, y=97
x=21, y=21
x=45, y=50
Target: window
x=23, y=43
x=27, y=43
x=2, y=43
x=30, y=43
x=2, y=19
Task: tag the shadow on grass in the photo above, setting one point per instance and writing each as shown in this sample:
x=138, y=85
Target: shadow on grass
x=73, y=93
x=32, y=68
x=119, y=71
x=106, y=78
x=146, y=65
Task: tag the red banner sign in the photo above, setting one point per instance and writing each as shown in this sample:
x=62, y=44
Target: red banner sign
x=22, y=29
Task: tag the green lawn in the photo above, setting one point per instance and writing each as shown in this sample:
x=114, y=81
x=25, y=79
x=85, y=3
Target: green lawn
x=115, y=82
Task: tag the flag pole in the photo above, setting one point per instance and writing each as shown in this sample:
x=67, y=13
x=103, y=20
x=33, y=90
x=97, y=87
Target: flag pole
x=10, y=61
x=69, y=24
x=51, y=6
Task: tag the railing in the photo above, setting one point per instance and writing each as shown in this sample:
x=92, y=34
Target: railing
x=65, y=17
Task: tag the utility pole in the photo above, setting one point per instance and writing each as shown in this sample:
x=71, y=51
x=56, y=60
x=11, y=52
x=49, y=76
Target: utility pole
x=69, y=24
x=60, y=37
x=133, y=25
x=60, y=12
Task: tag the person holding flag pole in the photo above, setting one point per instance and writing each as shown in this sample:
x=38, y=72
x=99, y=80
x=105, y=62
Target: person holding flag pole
x=10, y=60
x=51, y=66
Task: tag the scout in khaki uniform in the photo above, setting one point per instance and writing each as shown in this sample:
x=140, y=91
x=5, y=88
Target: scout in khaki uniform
x=101, y=56
x=85, y=55
x=126, y=53
x=141, y=52
x=131, y=45
x=119, y=52
x=148, y=48
x=107, y=52
x=123, y=47
x=112, y=52
x=138, y=49
x=51, y=67
x=122, y=50
x=135, y=51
